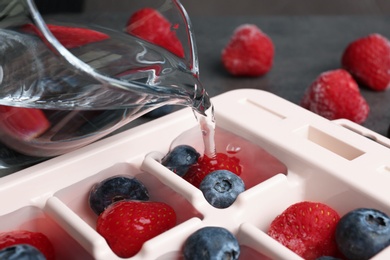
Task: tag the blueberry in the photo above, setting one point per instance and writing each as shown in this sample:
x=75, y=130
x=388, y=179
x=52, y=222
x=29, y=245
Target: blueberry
x=114, y=189
x=212, y=243
x=221, y=188
x=21, y=252
x=362, y=233
x=180, y=158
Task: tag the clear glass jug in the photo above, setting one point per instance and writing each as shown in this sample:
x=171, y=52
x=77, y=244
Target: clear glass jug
x=68, y=80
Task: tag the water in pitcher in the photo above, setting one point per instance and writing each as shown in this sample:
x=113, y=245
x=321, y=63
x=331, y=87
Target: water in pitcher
x=54, y=98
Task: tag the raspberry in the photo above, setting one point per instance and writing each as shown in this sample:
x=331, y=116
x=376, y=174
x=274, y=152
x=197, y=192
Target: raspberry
x=127, y=224
x=23, y=123
x=149, y=25
x=69, y=37
x=335, y=94
x=249, y=52
x=308, y=229
x=368, y=60
x=206, y=165
x=35, y=239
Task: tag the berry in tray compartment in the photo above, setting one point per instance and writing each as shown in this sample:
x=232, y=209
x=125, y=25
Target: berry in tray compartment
x=126, y=217
x=127, y=224
x=251, y=162
x=35, y=239
x=20, y=252
x=114, y=189
x=315, y=231
x=205, y=166
x=221, y=188
x=307, y=228
x=362, y=233
x=211, y=243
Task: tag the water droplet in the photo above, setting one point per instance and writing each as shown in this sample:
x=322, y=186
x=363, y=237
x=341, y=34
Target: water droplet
x=232, y=148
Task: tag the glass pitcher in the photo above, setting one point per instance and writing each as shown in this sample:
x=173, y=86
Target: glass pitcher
x=68, y=80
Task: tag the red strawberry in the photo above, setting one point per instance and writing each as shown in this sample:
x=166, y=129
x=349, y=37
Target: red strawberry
x=249, y=52
x=206, y=165
x=335, y=94
x=36, y=239
x=149, y=25
x=69, y=37
x=368, y=60
x=126, y=225
x=22, y=123
x=308, y=229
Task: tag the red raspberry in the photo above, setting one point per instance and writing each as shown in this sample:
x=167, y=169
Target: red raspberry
x=308, y=229
x=335, y=94
x=126, y=225
x=35, y=239
x=23, y=123
x=249, y=52
x=368, y=60
x=149, y=25
x=206, y=165
x=69, y=37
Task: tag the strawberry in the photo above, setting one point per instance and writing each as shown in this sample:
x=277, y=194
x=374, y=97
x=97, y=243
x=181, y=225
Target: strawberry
x=22, y=123
x=308, y=229
x=368, y=60
x=206, y=165
x=36, y=239
x=69, y=37
x=249, y=52
x=127, y=224
x=335, y=94
x=149, y=25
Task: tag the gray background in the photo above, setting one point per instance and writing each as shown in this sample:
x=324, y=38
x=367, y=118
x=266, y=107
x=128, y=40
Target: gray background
x=262, y=7
x=309, y=37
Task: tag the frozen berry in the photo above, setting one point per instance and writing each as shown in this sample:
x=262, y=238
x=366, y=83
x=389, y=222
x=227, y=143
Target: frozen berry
x=127, y=224
x=69, y=37
x=149, y=24
x=368, y=60
x=180, y=158
x=362, y=233
x=221, y=188
x=250, y=52
x=114, y=189
x=23, y=123
x=211, y=243
x=21, y=252
x=307, y=228
x=206, y=165
x=335, y=94
x=35, y=239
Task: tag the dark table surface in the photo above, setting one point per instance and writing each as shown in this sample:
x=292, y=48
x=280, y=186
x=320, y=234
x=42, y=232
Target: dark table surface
x=305, y=46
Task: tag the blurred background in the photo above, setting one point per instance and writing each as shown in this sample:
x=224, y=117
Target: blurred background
x=234, y=7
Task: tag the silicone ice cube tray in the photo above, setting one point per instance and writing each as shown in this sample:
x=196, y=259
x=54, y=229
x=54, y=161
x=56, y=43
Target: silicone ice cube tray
x=329, y=161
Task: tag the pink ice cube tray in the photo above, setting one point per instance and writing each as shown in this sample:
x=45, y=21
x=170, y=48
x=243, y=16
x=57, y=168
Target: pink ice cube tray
x=328, y=161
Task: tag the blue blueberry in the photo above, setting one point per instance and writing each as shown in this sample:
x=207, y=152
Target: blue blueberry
x=362, y=233
x=221, y=188
x=21, y=252
x=180, y=158
x=114, y=189
x=211, y=243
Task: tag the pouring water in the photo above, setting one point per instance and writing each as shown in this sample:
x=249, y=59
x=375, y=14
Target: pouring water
x=85, y=92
